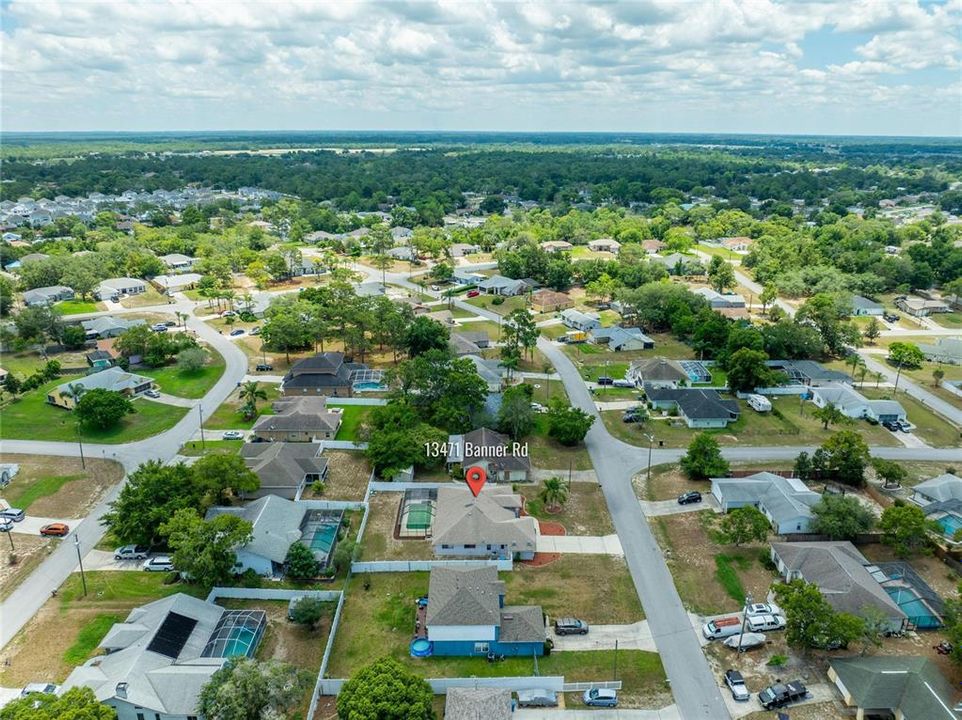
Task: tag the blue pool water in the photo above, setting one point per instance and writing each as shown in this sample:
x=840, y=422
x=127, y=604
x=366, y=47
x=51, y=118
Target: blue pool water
x=242, y=643
x=918, y=612
x=950, y=523
x=369, y=386
x=324, y=537
x=421, y=647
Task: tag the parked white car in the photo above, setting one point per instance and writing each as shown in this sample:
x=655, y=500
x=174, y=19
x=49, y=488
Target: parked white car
x=763, y=623
x=161, y=563
x=763, y=609
x=233, y=435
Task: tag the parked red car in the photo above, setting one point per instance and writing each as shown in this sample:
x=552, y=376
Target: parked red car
x=55, y=530
x=473, y=293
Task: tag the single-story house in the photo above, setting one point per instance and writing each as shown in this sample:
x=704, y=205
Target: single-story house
x=808, y=372
x=652, y=247
x=466, y=616
x=319, y=236
x=487, y=526
x=945, y=350
x=469, y=343
x=176, y=283
x=495, y=453
x=678, y=264
x=500, y=285
x=698, y=407
x=299, y=420
x=786, y=502
x=177, y=263
x=156, y=662
x=577, y=320
x=462, y=277
x=284, y=468
x=736, y=244
x=896, y=686
x=719, y=301
x=403, y=253
x=491, y=371
x=842, y=574
x=323, y=374
x=278, y=524
x=546, y=300
x=114, y=379
x=481, y=703
x=39, y=297
x=863, y=306
x=618, y=338
x=401, y=233
x=853, y=404
x=107, y=326
x=461, y=249
x=608, y=245
x=658, y=372
x=937, y=489
x=921, y=307
x=112, y=287
x=556, y=246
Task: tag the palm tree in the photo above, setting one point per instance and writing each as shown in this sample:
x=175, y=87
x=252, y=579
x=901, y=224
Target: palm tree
x=250, y=393
x=878, y=378
x=554, y=494
x=248, y=301
x=546, y=369
x=74, y=391
x=182, y=316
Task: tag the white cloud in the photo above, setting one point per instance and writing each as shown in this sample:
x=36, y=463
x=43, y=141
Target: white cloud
x=732, y=65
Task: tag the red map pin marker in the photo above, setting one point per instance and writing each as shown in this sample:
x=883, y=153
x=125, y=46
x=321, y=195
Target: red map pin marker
x=475, y=477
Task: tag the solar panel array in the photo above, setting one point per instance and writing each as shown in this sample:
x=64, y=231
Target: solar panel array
x=172, y=635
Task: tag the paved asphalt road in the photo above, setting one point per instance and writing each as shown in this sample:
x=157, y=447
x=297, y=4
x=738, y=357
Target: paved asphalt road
x=33, y=592
x=913, y=389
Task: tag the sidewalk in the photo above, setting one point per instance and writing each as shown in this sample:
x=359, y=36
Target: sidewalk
x=580, y=544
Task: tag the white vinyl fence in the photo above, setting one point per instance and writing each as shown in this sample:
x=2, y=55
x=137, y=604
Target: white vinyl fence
x=393, y=566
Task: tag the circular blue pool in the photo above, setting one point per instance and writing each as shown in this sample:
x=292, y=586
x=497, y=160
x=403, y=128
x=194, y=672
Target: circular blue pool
x=421, y=647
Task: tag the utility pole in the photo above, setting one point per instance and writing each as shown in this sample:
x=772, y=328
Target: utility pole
x=9, y=532
x=748, y=601
x=83, y=577
x=651, y=440
x=200, y=411
x=83, y=463
x=614, y=673
x=897, y=376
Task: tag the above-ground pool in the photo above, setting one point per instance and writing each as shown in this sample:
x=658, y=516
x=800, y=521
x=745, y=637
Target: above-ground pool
x=421, y=647
x=950, y=523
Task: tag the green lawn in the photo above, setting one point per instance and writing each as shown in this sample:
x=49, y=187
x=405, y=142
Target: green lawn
x=952, y=320
x=487, y=326
x=111, y=585
x=665, y=346
x=24, y=495
x=32, y=418
x=175, y=381
x=930, y=427
x=89, y=638
x=553, y=332
x=788, y=424
x=194, y=448
x=545, y=389
x=228, y=416
x=612, y=368
x=550, y=454
x=77, y=307
x=352, y=416
x=505, y=308
x=378, y=620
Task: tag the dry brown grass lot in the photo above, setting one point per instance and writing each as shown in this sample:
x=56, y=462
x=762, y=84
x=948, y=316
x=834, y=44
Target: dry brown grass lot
x=251, y=346
x=30, y=552
x=347, y=475
x=51, y=486
x=585, y=513
x=379, y=542
x=691, y=555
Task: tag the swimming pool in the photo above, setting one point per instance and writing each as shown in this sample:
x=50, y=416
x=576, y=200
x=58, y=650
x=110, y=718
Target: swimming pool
x=324, y=537
x=421, y=647
x=368, y=387
x=919, y=614
x=950, y=524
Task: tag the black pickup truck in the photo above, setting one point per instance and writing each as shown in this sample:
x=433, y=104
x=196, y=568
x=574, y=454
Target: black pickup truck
x=782, y=694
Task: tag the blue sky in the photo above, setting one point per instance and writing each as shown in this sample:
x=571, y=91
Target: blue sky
x=753, y=66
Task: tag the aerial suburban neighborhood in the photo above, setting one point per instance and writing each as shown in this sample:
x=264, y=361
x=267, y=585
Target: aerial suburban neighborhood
x=402, y=425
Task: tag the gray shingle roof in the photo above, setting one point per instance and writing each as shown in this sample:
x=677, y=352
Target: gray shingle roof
x=695, y=403
x=276, y=521
x=839, y=571
x=113, y=378
x=522, y=623
x=943, y=487
x=299, y=414
x=282, y=465
x=658, y=369
x=154, y=681
x=913, y=685
x=480, y=445
x=783, y=498
x=464, y=596
x=489, y=519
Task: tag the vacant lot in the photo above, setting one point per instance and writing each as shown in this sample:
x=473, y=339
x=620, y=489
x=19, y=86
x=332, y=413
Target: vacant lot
x=585, y=513
x=196, y=448
x=68, y=628
x=352, y=417
x=379, y=542
x=665, y=346
x=189, y=384
x=547, y=453
x=509, y=304
x=31, y=417
x=789, y=423
x=30, y=551
x=378, y=620
x=709, y=576
x=77, y=307
x=546, y=388
x=59, y=487
x=229, y=417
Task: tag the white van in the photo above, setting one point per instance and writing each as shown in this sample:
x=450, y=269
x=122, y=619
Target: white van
x=759, y=403
x=763, y=623
x=721, y=628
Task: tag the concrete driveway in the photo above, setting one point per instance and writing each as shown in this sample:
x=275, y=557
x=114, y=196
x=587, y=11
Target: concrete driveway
x=636, y=636
x=584, y=713
x=104, y=560
x=654, y=508
x=166, y=399
x=580, y=544
x=31, y=524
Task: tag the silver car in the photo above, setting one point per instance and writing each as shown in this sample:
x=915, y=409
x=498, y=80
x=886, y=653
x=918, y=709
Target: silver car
x=161, y=563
